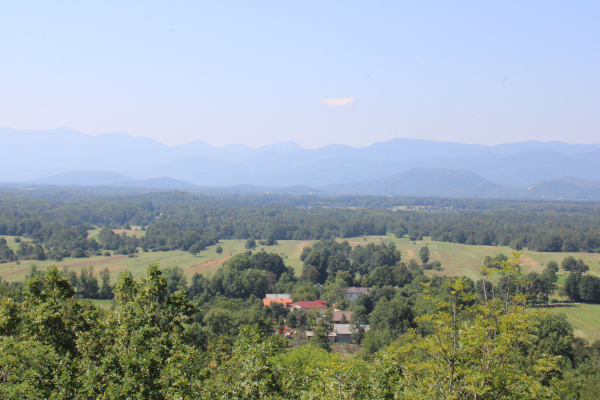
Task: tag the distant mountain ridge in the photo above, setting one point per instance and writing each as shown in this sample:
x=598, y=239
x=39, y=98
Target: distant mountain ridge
x=417, y=182
x=85, y=178
x=37, y=155
x=424, y=182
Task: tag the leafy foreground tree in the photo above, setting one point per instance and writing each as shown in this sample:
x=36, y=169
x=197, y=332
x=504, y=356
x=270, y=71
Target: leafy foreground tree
x=473, y=354
x=139, y=351
x=38, y=338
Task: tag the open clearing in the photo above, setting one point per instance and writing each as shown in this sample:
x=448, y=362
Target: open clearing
x=134, y=231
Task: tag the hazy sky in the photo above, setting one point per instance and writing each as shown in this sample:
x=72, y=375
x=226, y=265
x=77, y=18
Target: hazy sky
x=316, y=72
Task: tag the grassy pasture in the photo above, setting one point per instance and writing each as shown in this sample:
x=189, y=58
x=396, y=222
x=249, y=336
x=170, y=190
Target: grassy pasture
x=585, y=319
x=466, y=260
x=10, y=241
x=457, y=259
x=206, y=262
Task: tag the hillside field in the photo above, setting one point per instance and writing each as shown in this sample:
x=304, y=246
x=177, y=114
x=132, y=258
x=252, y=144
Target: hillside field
x=457, y=259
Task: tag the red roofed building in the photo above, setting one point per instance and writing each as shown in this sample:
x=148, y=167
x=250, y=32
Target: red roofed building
x=309, y=305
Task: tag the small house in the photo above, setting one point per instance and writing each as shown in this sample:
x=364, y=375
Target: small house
x=337, y=316
x=285, y=302
x=343, y=332
x=310, y=305
x=353, y=292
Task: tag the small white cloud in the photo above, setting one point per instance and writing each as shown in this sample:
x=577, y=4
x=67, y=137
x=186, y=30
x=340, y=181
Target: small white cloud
x=341, y=102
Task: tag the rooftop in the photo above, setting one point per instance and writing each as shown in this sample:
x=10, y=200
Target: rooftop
x=278, y=296
x=267, y=302
x=348, y=329
x=358, y=290
x=309, y=305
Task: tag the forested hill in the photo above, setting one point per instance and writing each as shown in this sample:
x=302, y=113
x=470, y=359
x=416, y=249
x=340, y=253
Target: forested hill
x=58, y=221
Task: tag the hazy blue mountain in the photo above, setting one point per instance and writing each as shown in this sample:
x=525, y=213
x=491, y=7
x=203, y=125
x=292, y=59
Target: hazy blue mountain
x=425, y=182
x=564, y=188
x=70, y=150
x=35, y=155
x=529, y=167
x=159, y=183
x=27, y=175
x=460, y=183
x=413, y=182
x=109, y=178
x=230, y=153
x=86, y=178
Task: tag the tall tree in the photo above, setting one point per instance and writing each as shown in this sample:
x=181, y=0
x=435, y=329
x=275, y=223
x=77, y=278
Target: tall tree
x=424, y=254
x=106, y=289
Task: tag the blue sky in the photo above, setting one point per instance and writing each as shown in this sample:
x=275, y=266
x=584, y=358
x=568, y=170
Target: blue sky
x=314, y=72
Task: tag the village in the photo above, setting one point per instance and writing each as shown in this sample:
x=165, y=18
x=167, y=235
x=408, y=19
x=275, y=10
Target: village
x=341, y=330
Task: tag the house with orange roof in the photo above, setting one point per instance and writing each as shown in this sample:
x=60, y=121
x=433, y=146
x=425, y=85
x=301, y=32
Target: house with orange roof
x=285, y=302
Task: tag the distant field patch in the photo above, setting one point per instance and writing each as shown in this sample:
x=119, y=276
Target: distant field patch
x=585, y=319
x=134, y=231
x=206, y=266
x=105, y=304
x=130, y=232
x=10, y=241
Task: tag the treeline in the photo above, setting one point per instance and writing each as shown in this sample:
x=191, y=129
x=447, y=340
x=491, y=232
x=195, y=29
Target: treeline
x=176, y=220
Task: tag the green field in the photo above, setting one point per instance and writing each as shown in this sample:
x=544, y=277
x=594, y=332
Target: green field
x=465, y=260
x=10, y=242
x=205, y=262
x=105, y=304
x=585, y=319
x=457, y=259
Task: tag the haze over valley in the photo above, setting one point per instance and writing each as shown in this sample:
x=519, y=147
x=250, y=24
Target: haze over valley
x=401, y=167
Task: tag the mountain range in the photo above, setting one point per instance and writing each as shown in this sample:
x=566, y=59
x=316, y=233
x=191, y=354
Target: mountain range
x=409, y=167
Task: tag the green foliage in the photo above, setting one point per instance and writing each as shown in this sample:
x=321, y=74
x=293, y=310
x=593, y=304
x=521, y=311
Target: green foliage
x=28, y=369
x=472, y=358
x=250, y=243
x=589, y=288
x=141, y=352
x=322, y=330
x=326, y=258
x=195, y=249
x=570, y=264
x=312, y=373
x=249, y=372
x=394, y=316
x=55, y=345
x=106, y=289
x=424, y=254
x=572, y=286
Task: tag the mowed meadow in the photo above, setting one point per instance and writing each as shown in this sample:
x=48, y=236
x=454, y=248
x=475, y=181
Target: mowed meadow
x=456, y=259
